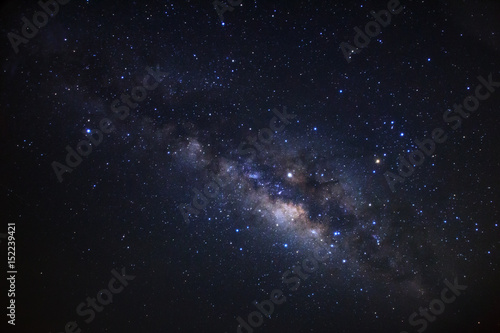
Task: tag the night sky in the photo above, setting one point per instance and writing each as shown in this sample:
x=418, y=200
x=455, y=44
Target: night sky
x=169, y=163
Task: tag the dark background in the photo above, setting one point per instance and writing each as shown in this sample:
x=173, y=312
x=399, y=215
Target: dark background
x=119, y=207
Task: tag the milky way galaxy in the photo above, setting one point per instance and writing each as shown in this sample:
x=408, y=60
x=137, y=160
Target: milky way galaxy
x=211, y=149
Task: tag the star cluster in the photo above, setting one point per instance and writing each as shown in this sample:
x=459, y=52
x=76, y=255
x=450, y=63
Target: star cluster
x=259, y=142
